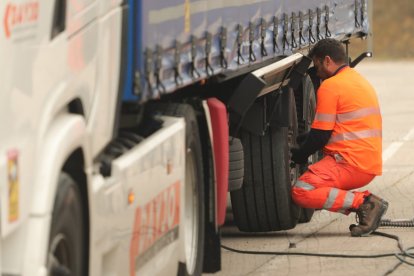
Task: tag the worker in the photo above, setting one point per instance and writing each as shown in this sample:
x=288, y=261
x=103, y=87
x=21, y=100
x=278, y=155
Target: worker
x=348, y=127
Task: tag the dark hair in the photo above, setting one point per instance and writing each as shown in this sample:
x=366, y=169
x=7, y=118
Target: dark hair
x=329, y=47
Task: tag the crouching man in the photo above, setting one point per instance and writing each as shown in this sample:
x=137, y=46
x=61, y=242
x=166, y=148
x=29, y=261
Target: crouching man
x=348, y=127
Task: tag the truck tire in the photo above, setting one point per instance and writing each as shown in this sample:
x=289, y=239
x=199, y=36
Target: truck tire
x=305, y=95
x=67, y=237
x=264, y=202
x=236, y=164
x=193, y=219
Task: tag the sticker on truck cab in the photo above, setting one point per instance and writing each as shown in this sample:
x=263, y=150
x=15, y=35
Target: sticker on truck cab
x=155, y=226
x=20, y=20
x=13, y=187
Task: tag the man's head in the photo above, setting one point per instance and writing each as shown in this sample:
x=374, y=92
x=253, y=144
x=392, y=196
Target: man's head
x=327, y=55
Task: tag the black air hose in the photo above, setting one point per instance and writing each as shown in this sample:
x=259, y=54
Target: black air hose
x=397, y=223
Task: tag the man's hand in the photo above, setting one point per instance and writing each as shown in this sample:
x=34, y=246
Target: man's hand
x=298, y=156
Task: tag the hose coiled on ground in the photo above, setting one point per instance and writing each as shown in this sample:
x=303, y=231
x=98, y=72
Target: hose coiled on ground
x=397, y=223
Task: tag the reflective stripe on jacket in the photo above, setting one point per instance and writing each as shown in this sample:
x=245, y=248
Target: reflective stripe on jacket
x=348, y=105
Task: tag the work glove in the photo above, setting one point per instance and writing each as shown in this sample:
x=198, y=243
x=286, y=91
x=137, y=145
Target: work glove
x=301, y=138
x=298, y=156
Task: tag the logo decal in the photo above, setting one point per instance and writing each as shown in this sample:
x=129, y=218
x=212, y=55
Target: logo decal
x=13, y=176
x=155, y=226
x=20, y=17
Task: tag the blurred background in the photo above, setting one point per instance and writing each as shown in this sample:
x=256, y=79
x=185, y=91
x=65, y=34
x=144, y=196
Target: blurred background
x=392, y=31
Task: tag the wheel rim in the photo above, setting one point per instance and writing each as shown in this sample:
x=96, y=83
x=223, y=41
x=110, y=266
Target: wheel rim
x=59, y=260
x=191, y=214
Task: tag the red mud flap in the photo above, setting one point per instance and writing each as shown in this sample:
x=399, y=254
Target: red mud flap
x=220, y=129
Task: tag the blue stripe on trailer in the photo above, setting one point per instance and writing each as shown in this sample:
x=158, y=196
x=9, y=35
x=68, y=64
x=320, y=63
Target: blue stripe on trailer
x=128, y=93
x=138, y=10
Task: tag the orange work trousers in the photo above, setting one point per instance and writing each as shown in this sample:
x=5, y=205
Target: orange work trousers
x=327, y=184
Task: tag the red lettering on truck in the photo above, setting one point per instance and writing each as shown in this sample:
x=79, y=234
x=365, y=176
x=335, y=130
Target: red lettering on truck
x=19, y=14
x=153, y=221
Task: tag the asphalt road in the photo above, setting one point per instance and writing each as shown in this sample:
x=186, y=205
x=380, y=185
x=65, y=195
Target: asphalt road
x=328, y=232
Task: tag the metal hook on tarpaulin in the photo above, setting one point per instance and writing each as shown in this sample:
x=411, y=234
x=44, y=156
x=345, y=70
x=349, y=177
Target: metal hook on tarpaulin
x=148, y=68
x=177, y=63
x=157, y=70
x=327, y=31
x=301, y=37
x=193, y=68
x=363, y=11
x=209, y=69
x=312, y=39
x=293, y=44
x=263, y=26
x=318, y=24
x=240, y=58
x=276, y=48
x=252, y=56
x=285, y=41
x=357, y=24
x=223, y=45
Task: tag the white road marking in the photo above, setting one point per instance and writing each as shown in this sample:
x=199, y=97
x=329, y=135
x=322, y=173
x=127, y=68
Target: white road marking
x=395, y=146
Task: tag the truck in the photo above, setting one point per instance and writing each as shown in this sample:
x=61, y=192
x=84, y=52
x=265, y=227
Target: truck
x=125, y=124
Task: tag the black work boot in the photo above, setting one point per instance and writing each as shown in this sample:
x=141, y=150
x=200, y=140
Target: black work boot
x=369, y=215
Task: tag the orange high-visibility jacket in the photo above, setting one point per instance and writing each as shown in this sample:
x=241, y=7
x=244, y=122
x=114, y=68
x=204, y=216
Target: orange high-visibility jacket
x=348, y=105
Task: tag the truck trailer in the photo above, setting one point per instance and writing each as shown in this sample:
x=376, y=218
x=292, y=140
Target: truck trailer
x=125, y=124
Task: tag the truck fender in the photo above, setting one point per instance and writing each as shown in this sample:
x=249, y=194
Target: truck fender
x=66, y=134
x=220, y=139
